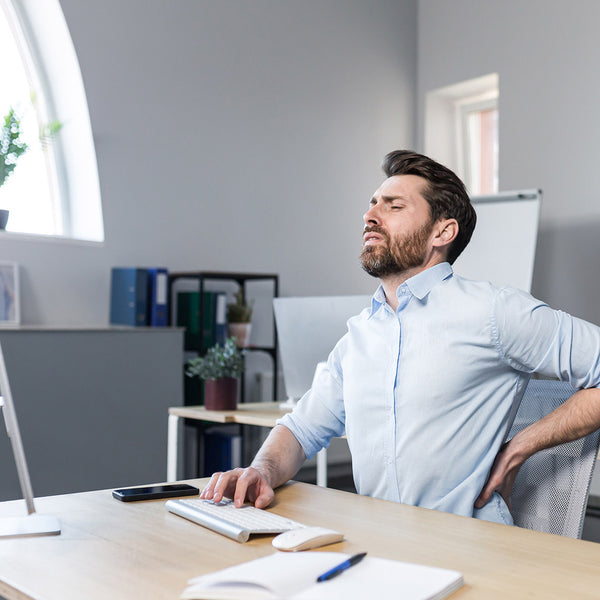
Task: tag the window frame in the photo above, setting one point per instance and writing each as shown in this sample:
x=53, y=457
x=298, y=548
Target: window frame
x=443, y=129
x=464, y=108
x=46, y=47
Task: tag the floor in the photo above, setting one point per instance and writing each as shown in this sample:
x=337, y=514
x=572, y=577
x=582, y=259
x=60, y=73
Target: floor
x=591, y=524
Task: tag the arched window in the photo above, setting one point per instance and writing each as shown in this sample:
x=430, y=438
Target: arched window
x=53, y=189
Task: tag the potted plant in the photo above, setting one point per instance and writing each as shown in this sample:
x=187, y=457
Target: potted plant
x=239, y=317
x=12, y=146
x=220, y=369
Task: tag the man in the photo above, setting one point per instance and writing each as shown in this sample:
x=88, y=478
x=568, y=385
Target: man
x=426, y=381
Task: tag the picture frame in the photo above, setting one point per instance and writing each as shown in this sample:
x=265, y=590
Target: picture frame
x=10, y=305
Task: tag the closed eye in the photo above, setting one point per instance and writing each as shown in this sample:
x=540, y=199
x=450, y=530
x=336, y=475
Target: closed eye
x=390, y=203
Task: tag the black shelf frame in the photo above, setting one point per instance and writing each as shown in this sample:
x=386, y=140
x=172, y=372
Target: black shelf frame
x=241, y=279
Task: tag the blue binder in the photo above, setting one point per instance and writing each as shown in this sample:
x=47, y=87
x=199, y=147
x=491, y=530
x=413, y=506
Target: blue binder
x=222, y=449
x=128, y=296
x=158, y=279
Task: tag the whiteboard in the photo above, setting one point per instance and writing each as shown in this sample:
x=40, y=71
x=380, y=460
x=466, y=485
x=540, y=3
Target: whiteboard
x=502, y=249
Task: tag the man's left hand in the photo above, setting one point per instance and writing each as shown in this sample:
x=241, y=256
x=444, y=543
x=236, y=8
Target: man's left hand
x=502, y=476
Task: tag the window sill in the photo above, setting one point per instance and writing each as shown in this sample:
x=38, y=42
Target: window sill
x=46, y=238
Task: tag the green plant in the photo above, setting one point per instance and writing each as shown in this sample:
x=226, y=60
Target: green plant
x=239, y=311
x=218, y=362
x=12, y=145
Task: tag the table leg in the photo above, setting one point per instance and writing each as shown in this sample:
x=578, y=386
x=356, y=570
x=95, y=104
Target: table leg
x=322, y=467
x=172, y=447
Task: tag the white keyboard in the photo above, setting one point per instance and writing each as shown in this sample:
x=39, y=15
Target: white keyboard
x=226, y=519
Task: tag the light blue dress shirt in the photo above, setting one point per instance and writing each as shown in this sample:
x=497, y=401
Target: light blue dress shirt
x=426, y=395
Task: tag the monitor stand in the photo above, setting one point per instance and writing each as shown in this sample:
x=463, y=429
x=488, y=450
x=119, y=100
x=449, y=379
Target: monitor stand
x=32, y=524
x=29, y=526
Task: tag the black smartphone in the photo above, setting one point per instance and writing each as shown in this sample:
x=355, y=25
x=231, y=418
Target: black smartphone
x=170, y=490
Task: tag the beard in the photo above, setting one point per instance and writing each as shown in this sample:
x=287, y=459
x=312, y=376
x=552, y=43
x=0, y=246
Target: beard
x=397, y=254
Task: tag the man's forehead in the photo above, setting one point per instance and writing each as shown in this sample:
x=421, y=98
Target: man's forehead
x=405, y=186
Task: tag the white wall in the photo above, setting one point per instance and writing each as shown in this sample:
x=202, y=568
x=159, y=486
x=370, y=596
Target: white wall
x=547, y=55
x=230, y=135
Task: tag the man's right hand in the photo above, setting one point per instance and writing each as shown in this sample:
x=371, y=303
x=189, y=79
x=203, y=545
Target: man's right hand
x=278, y=459
x=241, y=485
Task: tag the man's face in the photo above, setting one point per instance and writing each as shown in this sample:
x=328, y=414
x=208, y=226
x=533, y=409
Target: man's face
x=398, y=227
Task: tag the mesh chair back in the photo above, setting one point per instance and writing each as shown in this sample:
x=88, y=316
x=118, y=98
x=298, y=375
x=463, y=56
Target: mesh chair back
x=552, y=487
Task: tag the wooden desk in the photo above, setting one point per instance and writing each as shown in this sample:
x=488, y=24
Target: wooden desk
x=263, y=414
x=117, y=550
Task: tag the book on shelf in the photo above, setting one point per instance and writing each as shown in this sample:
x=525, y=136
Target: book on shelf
x=188, y=316
x=208, y=320
x=158, y=283
x=294, y=575
x=128, y=296
x=212, y=329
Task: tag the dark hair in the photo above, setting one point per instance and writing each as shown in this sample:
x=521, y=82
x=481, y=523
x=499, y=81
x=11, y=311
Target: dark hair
x=445, y=193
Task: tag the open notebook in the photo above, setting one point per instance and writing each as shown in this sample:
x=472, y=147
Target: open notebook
x=32, y=524
x=294, y=576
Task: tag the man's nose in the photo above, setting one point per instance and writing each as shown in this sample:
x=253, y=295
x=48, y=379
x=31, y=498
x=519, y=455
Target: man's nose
x=371, y=217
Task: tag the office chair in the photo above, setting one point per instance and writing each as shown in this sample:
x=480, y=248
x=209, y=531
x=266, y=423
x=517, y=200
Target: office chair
x=551, y=490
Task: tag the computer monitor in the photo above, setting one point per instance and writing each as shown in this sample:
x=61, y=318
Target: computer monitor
x=307, y=330
x=33, y=524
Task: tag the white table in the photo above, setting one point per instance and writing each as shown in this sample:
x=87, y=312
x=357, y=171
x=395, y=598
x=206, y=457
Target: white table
x=261, y=414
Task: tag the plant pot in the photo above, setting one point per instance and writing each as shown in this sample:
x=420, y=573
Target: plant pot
x=241, y=333
x=221, y=394
x=3, y=219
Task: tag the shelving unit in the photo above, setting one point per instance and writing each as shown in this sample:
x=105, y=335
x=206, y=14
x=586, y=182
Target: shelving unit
x=241, y=279
x=195, y=448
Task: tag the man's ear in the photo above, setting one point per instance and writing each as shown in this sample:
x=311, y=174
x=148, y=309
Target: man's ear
x=445, y=232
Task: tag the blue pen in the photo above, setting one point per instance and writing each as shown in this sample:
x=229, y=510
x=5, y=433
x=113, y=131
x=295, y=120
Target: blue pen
x=353, y=560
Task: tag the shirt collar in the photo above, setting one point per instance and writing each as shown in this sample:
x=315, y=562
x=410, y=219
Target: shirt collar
x=420, y=285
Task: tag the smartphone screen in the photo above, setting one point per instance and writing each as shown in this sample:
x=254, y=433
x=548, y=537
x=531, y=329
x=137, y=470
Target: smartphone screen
x=170, y=490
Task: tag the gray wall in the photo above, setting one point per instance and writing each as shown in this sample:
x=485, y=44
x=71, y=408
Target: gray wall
x=547, y=56
x=230, y=135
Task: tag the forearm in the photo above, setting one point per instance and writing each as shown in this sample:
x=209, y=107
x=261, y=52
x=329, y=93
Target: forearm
x=280, y=457
x=577, y=417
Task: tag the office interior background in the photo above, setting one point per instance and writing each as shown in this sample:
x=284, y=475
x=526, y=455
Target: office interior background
x=230, y=136
x=247, y=136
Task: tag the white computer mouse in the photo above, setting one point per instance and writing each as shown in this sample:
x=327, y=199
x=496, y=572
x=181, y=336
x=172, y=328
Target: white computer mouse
x=305, y=538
